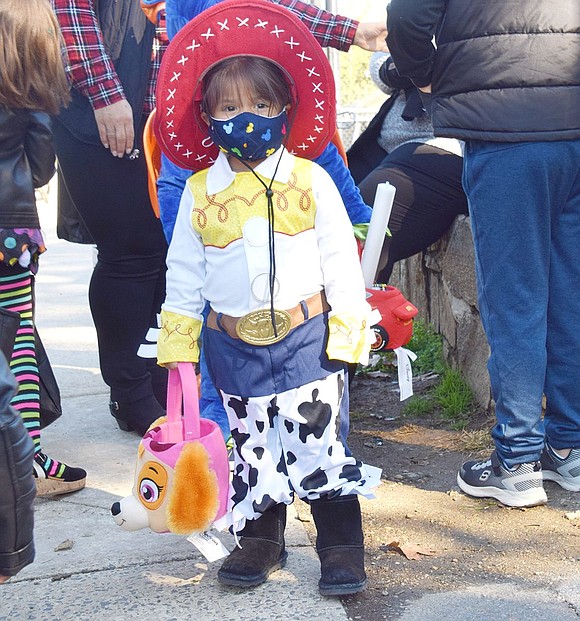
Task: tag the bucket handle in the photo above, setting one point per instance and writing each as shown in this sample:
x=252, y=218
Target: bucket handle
x=182, y=396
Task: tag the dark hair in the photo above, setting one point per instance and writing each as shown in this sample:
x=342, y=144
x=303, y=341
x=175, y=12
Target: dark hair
x=32, y=70
x=239, y=73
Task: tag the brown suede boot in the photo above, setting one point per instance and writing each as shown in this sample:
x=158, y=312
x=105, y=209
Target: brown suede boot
x=261, y=552
x=340, y=544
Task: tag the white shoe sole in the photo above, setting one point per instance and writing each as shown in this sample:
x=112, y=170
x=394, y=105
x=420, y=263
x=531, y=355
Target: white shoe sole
x=529, y=498
x=550, y=475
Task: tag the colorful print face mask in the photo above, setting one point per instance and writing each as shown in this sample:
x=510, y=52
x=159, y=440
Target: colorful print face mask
x=249, y=136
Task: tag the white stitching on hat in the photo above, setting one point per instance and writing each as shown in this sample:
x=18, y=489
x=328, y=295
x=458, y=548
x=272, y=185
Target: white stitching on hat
x=291, y=42
x=276, y=31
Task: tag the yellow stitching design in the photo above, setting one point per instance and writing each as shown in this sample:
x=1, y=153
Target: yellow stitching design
x=190, y=330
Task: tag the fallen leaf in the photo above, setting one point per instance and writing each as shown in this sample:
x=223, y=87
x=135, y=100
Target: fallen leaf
x=410, y=551
x=67, y=544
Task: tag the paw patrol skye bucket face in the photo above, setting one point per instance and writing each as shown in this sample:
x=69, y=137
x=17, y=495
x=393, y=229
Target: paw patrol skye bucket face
x=182, y=475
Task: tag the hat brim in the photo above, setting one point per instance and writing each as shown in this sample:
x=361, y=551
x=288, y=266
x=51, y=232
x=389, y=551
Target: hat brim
x=239, y=28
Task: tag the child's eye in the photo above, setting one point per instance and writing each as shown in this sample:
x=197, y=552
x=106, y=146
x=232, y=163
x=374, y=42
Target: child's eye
x=262, y=106
x=230, y=108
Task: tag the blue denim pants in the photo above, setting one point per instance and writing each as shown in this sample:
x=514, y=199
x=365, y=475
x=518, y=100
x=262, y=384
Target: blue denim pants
x=524, y=203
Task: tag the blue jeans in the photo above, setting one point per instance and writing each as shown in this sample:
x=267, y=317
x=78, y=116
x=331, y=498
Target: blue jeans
x=210, y=402
x=524, y=203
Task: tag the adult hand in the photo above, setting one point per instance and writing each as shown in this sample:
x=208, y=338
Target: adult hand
x=4, y=579
x=370, y=36
x=115, y=124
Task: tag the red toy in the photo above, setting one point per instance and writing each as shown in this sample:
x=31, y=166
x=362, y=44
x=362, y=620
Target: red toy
x=396, y=325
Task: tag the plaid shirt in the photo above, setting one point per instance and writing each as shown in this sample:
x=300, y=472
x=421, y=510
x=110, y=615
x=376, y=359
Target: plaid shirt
x=92, y=73
x=89, y=67
x=330, y=30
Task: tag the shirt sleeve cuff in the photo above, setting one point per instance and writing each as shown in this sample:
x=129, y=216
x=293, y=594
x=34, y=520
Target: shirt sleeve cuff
x=178, y=338
x=350, y=337
x=347, y=34
x=104, y=95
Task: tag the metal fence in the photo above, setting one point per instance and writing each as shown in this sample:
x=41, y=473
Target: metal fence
x=351, y=123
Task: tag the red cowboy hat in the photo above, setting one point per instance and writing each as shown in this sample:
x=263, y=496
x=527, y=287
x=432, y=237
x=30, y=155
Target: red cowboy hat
x=239, y=28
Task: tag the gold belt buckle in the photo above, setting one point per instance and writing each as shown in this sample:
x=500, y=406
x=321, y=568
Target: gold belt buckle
x=256, y=327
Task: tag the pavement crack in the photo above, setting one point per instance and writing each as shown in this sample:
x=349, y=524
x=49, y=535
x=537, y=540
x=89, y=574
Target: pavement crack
x=97, y=570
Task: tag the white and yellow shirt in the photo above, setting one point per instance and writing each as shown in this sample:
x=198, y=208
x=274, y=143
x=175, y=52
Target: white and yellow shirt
x=220, y=253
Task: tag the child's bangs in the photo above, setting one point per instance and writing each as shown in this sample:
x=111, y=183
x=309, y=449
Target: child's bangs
x=246, y=75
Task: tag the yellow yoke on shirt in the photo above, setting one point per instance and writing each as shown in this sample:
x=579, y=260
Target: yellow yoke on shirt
x=219, y=219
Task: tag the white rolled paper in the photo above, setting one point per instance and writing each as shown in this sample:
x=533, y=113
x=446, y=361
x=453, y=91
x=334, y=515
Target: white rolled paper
x=384, y=197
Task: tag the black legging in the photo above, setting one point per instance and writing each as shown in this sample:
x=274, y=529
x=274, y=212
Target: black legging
x=428, y=197
x=128, y=283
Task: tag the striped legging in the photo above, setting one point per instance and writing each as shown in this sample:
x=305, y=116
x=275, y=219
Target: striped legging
x=17, y=294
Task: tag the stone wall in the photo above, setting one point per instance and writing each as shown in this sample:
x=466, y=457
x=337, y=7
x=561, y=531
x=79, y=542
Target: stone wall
x=441, y=284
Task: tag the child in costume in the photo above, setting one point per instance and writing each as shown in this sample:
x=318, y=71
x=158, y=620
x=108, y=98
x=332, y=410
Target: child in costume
x=34, y=86
x=329, y=30
x=263, y=236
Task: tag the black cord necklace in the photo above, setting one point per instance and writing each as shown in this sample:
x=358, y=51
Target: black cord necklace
x=271, y=231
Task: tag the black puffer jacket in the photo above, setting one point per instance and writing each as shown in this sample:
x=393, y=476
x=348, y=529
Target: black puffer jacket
x=502, y=71
x=26, y=162
x=17, y=486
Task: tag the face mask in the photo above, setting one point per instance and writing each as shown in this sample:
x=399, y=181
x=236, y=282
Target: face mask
x=249, y=136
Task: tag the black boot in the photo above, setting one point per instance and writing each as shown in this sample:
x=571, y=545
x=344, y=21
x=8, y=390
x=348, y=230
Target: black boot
x=136, y=416
x=262, y=550
x=340, y=544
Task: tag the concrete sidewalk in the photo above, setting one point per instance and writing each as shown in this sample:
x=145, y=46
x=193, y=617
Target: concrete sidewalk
x=86, y=567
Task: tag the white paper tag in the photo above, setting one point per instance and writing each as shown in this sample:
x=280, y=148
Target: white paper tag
x=209, y=545
x=404, y=358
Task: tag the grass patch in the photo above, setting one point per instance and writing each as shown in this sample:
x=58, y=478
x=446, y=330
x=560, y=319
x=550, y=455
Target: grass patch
x=418, y=405
x=428, y=346
x=455, y=398
x=451, y=398
x=425, y=343
x=452, y=395
x=476, y=442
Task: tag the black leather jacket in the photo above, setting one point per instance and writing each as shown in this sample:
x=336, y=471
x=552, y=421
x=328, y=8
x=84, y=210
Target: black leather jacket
x=17, y=486
x=26, y=162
